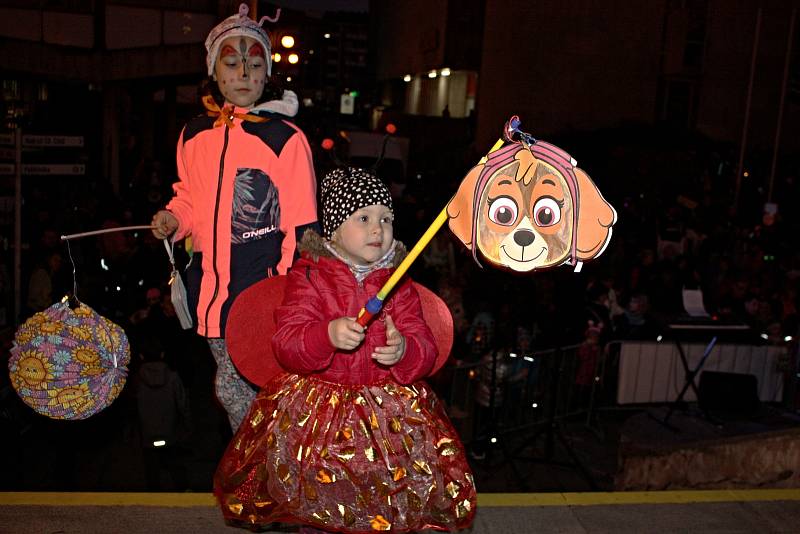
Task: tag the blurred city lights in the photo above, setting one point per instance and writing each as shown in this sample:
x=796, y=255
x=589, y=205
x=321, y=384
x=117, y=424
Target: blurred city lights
x=432, y=74
x=407, y=78
x=276, y=57
x=293, y=58
x=327, y=36
x=288, y=78
x=287, y=41
x=445, y=72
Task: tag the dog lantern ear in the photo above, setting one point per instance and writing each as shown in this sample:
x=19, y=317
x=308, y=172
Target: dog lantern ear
x=595, y=219
x=459, y=209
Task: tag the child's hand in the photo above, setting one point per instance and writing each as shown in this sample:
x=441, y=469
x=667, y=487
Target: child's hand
x=164, y=224
x=345, y=333
x=395, y=345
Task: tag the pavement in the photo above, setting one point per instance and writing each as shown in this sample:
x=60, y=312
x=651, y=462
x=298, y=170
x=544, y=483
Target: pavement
x=719, y=511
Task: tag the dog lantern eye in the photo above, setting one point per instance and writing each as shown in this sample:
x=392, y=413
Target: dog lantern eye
x=503, y=210
x=546, y=212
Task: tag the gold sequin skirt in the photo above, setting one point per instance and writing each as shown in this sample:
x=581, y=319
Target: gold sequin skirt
x=346, y=459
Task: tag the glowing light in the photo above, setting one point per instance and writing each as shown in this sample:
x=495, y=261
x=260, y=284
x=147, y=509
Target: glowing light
x=159, y=443
x=659, y=338
x=288, y=78
x=788, y=339
x=432, y=74
x=493, y=440
x=119, y=288
x=276, y=57
x=407, y=78
x=293, y=58
x=528, y=358
x=103, y=264
x=287, y=41
x=746, y=174
x=445, y=72
x=327, y=36
x=512, y=354
x=764, y=336
x=535, y=405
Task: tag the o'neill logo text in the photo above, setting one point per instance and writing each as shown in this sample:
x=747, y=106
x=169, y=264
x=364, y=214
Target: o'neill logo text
x=259, y=232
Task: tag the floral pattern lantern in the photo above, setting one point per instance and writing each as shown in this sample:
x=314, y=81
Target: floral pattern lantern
x=69, y=363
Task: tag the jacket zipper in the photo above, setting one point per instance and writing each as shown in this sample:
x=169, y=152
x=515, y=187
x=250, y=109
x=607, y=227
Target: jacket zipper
x=216, y=216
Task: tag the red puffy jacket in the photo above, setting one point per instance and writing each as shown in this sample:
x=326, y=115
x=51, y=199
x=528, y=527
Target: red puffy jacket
x=318, y=292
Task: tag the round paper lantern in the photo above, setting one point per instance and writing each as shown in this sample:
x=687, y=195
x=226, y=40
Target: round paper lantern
x=69, y=363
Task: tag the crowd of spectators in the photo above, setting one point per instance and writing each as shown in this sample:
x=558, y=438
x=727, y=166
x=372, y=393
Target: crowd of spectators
x=677, y=228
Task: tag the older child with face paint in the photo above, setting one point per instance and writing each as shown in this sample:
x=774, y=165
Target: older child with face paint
x=350, y=439
x=246, y=190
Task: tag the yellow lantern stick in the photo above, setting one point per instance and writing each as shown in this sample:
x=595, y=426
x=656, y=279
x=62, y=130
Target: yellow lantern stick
x=375, y=303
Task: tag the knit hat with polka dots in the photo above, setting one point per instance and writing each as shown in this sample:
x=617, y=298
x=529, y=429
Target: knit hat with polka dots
x=347, y=190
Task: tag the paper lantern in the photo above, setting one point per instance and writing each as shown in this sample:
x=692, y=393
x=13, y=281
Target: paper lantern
x=69, y=363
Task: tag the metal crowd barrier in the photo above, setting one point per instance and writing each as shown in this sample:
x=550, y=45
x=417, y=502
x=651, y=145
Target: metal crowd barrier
x=505, y=392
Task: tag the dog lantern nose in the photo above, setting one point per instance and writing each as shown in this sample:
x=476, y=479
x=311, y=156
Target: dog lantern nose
x=524, y=238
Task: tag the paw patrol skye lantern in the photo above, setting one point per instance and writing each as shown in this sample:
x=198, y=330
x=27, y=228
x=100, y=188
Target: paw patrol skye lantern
x=528, y=206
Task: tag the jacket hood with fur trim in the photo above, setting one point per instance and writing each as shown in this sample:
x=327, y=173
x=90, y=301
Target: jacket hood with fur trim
x=313, y=246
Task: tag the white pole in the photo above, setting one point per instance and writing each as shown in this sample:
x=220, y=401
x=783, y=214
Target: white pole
x=743, y=143
x=781, y=104
x=17, y=225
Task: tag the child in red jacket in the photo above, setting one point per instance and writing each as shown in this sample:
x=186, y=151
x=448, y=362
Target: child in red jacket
x=350, y=439
x=246, y=192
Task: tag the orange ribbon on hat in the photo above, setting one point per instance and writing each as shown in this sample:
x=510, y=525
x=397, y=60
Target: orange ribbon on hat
x=226, y=114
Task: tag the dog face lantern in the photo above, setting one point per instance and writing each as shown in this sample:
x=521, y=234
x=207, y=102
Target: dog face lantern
x=528, y=207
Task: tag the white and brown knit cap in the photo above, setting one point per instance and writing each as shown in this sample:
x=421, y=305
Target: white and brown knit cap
x=239, y=25
x=347, y=190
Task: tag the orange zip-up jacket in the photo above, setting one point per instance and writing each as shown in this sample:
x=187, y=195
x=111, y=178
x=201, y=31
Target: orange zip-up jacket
x=245, y=194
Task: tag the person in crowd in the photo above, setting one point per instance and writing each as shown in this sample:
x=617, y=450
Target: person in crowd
x=164, y=418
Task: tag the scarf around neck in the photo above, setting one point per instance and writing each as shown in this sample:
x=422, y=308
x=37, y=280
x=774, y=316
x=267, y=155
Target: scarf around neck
x=362, y=271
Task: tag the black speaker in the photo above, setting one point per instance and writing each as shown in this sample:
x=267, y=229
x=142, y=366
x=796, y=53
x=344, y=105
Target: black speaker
x=728, y=393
